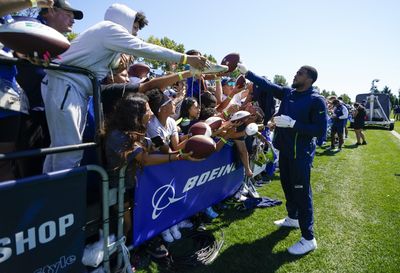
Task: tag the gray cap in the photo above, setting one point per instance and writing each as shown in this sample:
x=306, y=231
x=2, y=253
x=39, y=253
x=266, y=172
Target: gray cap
x=65, y=5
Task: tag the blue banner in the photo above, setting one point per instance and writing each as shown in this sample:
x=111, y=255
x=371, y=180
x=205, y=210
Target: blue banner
x=169, y=193
x=42, y=223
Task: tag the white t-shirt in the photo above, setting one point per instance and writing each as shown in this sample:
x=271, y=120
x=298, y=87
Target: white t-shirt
x=96, y=48
x=236, y=100
x=155, y=128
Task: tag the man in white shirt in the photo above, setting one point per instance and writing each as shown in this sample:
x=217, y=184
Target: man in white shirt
x=98, y=48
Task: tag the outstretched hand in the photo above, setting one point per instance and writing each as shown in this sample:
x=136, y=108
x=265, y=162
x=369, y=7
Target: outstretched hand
x=242, y=68
x=188, y=156
x=198, y=62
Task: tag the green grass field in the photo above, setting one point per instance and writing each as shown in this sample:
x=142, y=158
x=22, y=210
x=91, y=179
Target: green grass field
x=357, y=217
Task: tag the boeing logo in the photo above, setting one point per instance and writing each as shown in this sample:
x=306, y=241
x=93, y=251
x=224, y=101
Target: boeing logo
x=166, y=195
x=162, y=198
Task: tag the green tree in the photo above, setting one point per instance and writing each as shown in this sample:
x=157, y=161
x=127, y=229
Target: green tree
x=386, y=90
x=167, y=43
x=346, y=98
x=170, y=44
x=210, y=58
x=280, y=80
x=325, y=93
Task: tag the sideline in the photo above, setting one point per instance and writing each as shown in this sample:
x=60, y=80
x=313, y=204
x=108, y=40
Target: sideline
x=395, y=134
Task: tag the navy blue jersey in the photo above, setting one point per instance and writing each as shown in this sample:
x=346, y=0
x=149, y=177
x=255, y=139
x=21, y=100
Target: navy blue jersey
x=309, y=110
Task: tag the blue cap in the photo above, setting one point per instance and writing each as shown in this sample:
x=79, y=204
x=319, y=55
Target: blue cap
x=225, y=80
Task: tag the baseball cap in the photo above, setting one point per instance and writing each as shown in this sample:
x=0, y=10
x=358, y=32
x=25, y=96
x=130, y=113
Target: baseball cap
x=62, y=4
x=226, y=80
x=165, y=100
x=171, y=93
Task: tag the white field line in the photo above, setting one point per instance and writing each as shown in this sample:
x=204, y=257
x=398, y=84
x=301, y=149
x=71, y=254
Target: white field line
x=395, y=134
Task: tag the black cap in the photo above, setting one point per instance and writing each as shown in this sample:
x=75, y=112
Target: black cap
x=62, y=4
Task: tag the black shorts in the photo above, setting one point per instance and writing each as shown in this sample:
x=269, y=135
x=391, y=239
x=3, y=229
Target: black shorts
x=358, y=125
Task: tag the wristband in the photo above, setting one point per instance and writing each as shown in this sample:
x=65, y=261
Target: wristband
x=34, y=3
x=217, y=80
x=226, y=114
x=180, y=76
x=223, y=140
x=184, y=61
x=229, y=97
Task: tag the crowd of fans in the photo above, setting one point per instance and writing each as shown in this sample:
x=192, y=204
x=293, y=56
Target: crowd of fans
x=147, y=120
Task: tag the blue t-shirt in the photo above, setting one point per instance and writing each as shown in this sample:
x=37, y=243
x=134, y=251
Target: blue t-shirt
x=7, y=75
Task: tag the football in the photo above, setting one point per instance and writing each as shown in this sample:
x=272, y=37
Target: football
x=251, y=129
x=240, y=81
x=240, y=116
x=200, y=128
x=231, y=60
x=214, y=122
x=27, y=37
x=139, y=70
x=201, y=146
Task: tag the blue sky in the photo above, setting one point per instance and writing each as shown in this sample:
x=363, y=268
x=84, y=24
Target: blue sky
x=350, y=42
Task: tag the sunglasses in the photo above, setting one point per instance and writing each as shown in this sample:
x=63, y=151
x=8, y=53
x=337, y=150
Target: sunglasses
x=231, y=83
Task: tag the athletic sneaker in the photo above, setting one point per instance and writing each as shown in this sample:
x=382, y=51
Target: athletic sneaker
x=239, y=196
x=287, y=222
x=364, y=143
x=175, y=232
x=252, y=190
x=211, y=69
x=210, y=213
x=303, y=246
x=93, y=253
x=157, y=249
x=167, y=236
x=244, y=189
x=185, y=224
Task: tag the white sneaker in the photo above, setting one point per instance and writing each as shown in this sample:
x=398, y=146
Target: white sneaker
x=239, y=196
x=252, y=191
x=211, y=69
x=167, y=236
x=185, y=224
x=245, y=189
x=303, y=246
x=93, y=253
x=175, y=232
x=287, y=222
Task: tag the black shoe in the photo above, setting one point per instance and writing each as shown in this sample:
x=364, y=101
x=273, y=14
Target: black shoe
x=364, y=143
x=157, y=249
x=201, y=227
x=358, y=143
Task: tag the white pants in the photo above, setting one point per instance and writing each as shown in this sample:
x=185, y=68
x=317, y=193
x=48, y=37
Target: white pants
x=66, y=110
